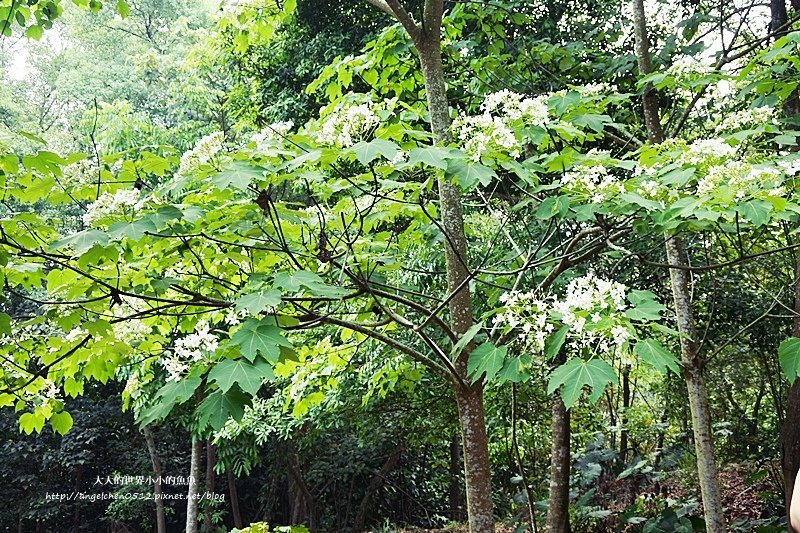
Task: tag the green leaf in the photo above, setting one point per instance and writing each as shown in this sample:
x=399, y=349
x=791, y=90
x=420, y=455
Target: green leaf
x=469, y=174
x=260, y=336
x=239, y=175
x=512, y=371
x=553, y=206
x=486, y=359
x=310, y=280
x=654, y=354
x=218, y=407
x=123, y=9
x=256, y=302
x=756, y=211
x=593, y=121
x=81, y=241
x=561, y=102
x=465, y=339
x=789, y=357
x=433, y=156
x=248, y=376
x=132, y=230
x=576, y=374
x=554, y=342
x=366, y=152
x=177, y=392
x=61, y=422
x=30, y=422
x=646, y=307
x=34, y=32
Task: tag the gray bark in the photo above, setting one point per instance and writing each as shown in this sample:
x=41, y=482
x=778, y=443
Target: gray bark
x=558, y=507
x=193, y=494
x=691, y=358
x=158, y=491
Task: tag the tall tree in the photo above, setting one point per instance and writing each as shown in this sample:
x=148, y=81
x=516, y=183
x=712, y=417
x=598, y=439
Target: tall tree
x=691, y=357
x=426, y=37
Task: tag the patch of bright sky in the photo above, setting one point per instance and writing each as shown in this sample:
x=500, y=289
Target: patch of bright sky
x=17, y=50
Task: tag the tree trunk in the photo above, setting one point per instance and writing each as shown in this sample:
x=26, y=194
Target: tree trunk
x=626, y=403
x=374, y=485
x=476, y=459
x=468, y=397
x=211, y=459
x=304, y=501
x=692, y=360
x=790, y=430
x=454, y=485
x=693, y=368
x=558, y=506
x=193, y=494
x=158, y=491
x=234, y=495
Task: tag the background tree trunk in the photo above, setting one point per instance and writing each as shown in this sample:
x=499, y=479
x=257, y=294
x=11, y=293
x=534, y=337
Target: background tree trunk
x=626, y=403
x=374, y=485
x=211, y=459
x=691, y=358
x=158, y=491
x=558, y=506
x=234, y=495
x=193, y=494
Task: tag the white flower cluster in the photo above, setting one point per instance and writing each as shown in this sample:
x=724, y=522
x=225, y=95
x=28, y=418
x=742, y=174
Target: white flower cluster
x=203, y=152
x=589, y=302
x=594, y=181
x=515, y=106
x=492, y=130
x=791, y=168
x=689, y=67
x=81, y=172
x=234, y=317
x=348, y=123
x=704, y=151
x=592, y=308
x=596, y=89
x=130, y=331
x=524, y=310
x=272, y=134
x=743, y=179
x=189, y=349
x=747, y=118
x=111, y=204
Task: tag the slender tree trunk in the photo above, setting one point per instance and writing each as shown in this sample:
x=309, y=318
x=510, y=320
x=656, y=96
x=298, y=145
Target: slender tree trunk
x=158, y=491
x=374, y=485
x=211, y=459
x=558, y=508
x=454, y=485
x=691, y=358
x=234, y=495
x=468, y=397
x=693, y=369
x=193, y=494
x=626, y=403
